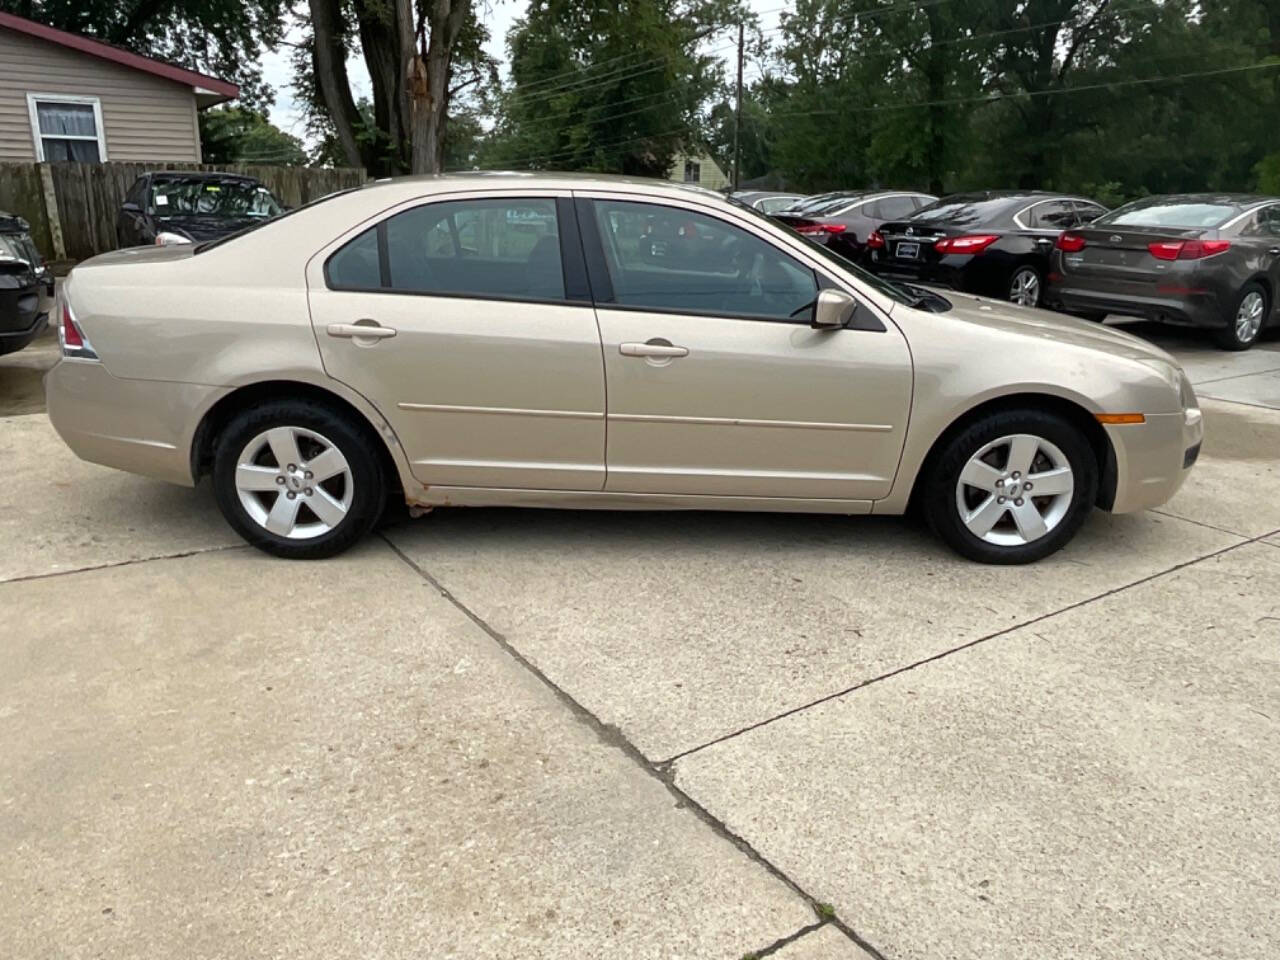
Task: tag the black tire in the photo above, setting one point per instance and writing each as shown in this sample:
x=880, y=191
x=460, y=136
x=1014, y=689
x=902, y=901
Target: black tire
x=368, y=482
x=1228, y=337
x=940, y=484
x=1028, y=271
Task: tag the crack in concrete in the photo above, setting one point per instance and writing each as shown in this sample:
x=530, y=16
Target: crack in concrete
x=670, y=761
x=28, y=577
x=612, y=736
x=1198, y=523
x=786, y=941
x=1241, y=403
x=1234, y=376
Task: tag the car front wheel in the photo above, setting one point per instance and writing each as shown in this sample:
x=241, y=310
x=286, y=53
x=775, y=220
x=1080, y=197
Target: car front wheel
x=297, y=479
x=1012, y=487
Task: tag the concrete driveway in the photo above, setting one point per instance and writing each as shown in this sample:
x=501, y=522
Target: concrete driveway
x=499, y=733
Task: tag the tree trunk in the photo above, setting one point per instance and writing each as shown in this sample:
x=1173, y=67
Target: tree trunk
x=380, y=44
x=427, y=69
x=331, y=76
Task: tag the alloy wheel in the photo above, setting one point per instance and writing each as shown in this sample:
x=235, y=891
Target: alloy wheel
x=1249, y=316
x=1014, y=490
x=294, y=482
x=1024, y=289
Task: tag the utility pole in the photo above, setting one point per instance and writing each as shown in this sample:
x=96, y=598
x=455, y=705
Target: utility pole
x=737, y=119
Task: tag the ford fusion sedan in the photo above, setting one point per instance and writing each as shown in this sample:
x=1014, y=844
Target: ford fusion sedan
x=482, y=339
x=993, y=243
x=1199, y=260
x=175, y=206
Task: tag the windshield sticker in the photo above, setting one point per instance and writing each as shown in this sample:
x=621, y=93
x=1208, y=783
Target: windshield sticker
x=161, y=200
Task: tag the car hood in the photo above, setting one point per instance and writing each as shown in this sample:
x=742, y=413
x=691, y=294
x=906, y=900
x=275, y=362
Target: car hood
x=1057, y=328
x=205, y=227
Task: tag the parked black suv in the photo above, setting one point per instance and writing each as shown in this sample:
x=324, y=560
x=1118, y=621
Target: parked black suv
x=996, y=243
x=25, y=285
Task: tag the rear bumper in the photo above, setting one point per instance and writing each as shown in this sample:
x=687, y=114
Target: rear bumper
x=1154, y=458
x=12, y=341
x=970, y=274
x=1199, y=309
x=142, y=426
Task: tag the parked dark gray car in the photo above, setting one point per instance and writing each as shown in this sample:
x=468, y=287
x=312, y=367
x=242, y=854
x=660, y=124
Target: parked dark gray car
x=1200, y=260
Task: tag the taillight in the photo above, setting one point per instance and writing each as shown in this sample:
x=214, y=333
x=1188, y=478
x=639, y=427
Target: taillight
x=875, y=241
x=1070, y=242
x=815, y=229
x=1187, y=249
x=969, y=243
x=72, y=339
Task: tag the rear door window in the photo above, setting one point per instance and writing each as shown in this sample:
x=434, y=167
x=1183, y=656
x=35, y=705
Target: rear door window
x=1052, y=215
x=505, y=248
x=894, y=208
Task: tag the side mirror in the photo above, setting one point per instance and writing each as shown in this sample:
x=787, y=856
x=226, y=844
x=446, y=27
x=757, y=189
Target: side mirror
x=832, y=310
x=130, y=207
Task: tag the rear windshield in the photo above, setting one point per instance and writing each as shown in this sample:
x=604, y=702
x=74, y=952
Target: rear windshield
x=964, y=211
x=833, y=205
x=1161, y=213
x=809, y=204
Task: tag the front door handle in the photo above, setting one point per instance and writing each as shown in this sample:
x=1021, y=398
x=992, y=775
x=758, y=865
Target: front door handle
x=366, y=328
x=1274, y=251
x=652, y=349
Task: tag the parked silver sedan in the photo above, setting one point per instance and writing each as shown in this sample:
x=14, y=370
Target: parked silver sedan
x=590, y=342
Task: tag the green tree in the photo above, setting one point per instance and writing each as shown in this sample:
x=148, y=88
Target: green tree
x=231, y=134
x=608, y=86
x=223, y=38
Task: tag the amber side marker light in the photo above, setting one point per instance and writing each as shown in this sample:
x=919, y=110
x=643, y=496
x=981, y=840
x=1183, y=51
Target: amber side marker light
x=1120, y=418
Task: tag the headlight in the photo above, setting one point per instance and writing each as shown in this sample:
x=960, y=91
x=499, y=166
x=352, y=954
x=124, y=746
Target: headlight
x=164, y=238
x=1188, y=395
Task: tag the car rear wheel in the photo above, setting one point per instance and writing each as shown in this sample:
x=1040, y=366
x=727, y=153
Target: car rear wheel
x=297, y=480
x=1025, y=286
x=1012, y=487
x=1245, y=322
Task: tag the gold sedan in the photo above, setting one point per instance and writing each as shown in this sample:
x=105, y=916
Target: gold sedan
x=592, y=342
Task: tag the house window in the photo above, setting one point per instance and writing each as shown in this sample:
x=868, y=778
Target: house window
x=67, y=129
x=692, y=171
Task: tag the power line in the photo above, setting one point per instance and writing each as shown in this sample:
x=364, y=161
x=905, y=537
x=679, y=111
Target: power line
x=1048, y=92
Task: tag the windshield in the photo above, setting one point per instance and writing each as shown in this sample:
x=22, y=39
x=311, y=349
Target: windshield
x=963, y=210
x=894, y=291
x=1167, y=213
x=206, y=197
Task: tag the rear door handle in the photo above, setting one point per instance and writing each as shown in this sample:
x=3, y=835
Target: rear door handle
x=652, y=350
x=372, y=330
x=1274, y=251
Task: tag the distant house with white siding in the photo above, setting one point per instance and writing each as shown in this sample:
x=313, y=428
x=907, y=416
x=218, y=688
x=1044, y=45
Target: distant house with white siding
x=699, y=169
x=66, y=97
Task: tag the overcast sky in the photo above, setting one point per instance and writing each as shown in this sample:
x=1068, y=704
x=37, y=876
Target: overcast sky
x=498, y=15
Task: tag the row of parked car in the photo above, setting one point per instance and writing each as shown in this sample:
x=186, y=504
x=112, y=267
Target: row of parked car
x=1200, y=260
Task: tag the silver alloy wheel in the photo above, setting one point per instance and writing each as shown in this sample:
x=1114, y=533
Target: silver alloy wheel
x=1014, y=490
x=1249, y=316
x=294, y=482
x=1024, y=289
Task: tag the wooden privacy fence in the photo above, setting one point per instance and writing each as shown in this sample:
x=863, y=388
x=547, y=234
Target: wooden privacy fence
x=72, y=207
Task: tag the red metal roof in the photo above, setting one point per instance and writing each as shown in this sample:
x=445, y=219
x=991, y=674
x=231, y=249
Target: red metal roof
x=106, y=51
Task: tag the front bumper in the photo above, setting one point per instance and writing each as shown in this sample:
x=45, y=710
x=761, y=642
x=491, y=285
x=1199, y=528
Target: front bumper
x=1153, y=459
x=142, y=426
